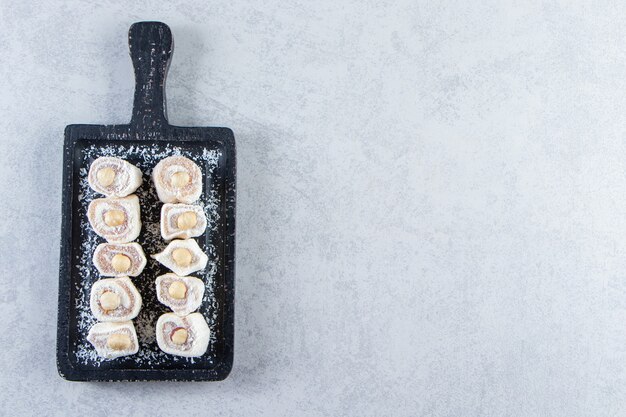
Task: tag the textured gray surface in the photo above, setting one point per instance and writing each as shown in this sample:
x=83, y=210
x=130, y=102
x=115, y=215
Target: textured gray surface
x=430, y=209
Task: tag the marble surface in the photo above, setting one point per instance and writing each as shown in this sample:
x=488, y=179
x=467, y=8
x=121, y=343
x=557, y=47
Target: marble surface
x=431, y=201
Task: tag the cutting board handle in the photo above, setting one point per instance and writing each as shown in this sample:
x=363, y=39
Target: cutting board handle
x=150, y=49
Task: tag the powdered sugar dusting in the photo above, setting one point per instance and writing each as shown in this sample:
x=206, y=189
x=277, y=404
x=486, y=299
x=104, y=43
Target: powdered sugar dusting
x=145, y=156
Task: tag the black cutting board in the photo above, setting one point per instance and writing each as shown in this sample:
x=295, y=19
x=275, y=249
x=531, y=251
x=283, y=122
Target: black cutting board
x=143, y=142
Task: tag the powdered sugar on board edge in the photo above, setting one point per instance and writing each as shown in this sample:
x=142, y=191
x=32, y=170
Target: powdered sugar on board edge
x=145, y=157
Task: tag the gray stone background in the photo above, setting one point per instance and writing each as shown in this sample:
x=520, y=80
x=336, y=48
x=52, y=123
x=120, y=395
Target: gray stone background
x=431, y=201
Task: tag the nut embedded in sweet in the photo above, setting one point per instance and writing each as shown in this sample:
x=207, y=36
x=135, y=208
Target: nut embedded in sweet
x=118, y=341
x=187, y=220
x=121, y=263
x=179, y=335
x=106, y=176
x=114, y=218
x=109, y=300
x=182, y=256
x=180, y=179
x=177, y=290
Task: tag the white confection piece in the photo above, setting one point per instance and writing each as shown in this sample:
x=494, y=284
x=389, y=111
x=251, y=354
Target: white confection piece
x=165, y=172
x=100, y=333
x=128, y=297
x=198, y=334
x=125, y=180
x=170, y=214
x=194, y=290
x=105, y=252
x=128, y=230
x=198, y=258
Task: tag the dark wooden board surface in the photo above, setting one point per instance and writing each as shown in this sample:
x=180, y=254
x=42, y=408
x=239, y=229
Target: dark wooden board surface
x=147, y=137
